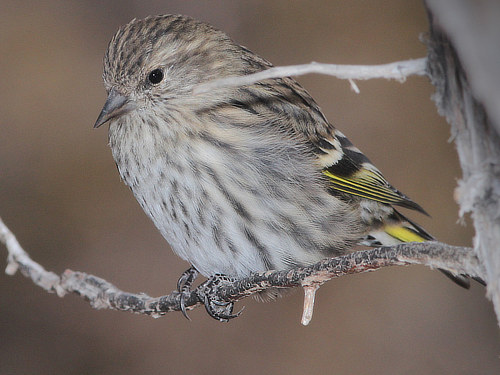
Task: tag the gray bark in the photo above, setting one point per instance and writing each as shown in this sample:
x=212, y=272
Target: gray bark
x=464, y=66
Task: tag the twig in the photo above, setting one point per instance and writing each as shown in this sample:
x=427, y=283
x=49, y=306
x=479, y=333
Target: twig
x=19, y=259
x=399, y=70
x=104, y=295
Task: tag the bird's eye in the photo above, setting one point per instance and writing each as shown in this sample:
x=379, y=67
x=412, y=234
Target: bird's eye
x=156, y=76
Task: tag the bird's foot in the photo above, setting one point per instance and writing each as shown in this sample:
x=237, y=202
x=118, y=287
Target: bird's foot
x=217, y=309
x=184, y=287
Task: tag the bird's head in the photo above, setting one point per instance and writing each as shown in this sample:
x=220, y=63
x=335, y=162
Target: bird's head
x=160, y=59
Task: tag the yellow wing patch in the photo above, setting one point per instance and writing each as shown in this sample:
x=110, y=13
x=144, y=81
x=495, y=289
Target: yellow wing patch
x=366, y=184
x=402, y=234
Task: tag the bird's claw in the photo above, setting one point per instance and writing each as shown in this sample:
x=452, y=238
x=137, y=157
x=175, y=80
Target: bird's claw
x=221, y=311
x=184, y=288
x=217, y=309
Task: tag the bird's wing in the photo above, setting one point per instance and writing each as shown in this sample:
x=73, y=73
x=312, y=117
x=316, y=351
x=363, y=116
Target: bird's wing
x=350, y=171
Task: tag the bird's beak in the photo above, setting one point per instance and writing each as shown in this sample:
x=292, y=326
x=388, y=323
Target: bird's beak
x=116, y=105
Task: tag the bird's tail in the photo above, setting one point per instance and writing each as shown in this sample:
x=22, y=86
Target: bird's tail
x=399, y=229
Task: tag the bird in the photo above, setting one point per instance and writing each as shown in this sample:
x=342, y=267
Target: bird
x=240, y=179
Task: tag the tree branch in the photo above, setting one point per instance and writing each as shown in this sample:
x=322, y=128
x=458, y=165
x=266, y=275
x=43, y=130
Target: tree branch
x=452, y=43
x=399, y=70
x=104, y=295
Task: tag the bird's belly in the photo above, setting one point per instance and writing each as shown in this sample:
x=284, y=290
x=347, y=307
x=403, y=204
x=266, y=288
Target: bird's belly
x=233, y=235
x=197, y=224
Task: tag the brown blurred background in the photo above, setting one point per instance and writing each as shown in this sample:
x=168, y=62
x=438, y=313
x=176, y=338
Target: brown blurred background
x=61, y=195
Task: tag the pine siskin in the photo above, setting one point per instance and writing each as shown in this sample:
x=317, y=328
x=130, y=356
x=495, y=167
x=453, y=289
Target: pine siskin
x=242, y=179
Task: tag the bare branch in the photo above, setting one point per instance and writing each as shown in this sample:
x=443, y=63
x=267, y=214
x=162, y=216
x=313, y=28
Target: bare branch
x=399, y=70
x=19, y=259
x=104, y=295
